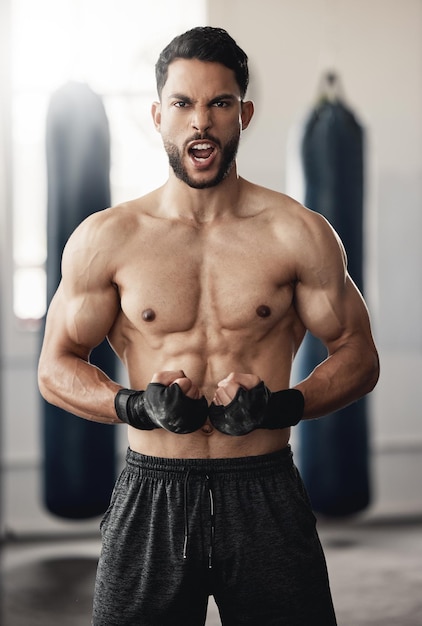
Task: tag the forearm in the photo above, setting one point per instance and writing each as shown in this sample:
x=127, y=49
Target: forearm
x=344, y=377
x=78, y=387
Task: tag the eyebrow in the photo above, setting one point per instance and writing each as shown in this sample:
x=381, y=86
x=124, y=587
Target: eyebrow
x=223, y=96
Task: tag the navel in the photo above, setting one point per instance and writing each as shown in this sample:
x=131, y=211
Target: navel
x=263, y=310
x=148, y=315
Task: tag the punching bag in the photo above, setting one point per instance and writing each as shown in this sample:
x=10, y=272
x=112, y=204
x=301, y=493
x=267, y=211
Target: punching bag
x=79, y=455
x=333, y=457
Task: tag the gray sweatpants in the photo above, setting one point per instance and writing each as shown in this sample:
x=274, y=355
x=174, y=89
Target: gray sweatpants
x=242, y=530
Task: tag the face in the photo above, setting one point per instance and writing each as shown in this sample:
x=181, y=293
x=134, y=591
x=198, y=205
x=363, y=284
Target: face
x=200, y=118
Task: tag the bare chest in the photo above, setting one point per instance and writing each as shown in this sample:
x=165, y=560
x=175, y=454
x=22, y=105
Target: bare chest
x=224, y=281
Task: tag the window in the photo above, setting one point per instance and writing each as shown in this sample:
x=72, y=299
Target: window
x=112, y=46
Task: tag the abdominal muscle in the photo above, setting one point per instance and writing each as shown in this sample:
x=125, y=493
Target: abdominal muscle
x=206, y=443
x=206, y=364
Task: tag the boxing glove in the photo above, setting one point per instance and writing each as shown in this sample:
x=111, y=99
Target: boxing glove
x=161, y=406
x=258, y=408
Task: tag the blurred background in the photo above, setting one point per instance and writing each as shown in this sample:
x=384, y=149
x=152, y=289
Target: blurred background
x=373, y=46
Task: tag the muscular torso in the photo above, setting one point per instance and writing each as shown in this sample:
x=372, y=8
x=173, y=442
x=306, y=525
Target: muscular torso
x=208, y=299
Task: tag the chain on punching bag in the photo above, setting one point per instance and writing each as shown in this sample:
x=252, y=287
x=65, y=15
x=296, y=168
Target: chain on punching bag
x=334, y=450
x=79, y=455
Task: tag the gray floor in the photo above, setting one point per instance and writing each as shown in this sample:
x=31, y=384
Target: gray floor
x=375, y=572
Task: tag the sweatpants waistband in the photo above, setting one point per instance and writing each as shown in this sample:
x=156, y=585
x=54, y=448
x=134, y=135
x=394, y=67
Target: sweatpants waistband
x=207, y=470
x=175, y=469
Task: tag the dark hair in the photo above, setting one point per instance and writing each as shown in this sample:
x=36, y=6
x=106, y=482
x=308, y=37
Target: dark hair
x=205, y=43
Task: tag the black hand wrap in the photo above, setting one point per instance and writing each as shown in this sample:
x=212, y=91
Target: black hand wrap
x=258, y=408
x=160, y=406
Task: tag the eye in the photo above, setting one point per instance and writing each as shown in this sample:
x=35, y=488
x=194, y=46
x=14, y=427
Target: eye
x=180, y=104
x=221, y=104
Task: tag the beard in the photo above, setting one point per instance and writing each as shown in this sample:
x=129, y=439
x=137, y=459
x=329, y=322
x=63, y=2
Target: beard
x=175, y=157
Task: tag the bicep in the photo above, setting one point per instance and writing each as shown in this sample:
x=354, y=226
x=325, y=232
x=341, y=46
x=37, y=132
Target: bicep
x=77, y=322
x=86, y=302
x=327, y=301
x=336, y=315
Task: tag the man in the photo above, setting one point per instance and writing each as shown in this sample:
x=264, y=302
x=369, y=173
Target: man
x=205, y=288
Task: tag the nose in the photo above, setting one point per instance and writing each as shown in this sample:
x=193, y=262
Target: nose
x=201, y=119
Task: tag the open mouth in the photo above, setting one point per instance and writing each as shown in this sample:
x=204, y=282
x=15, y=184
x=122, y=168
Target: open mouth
x=202, y=153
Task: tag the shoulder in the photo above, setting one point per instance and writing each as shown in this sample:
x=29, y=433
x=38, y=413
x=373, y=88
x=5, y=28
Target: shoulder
x=312, y=243
x=112, y=226
x=102, y=237
x=284, y=212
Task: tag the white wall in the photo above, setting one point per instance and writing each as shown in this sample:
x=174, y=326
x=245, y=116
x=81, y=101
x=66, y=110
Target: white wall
x=376, y=48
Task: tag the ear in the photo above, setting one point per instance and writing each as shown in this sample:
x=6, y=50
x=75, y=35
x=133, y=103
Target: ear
x=247, y=113
x=156, y=115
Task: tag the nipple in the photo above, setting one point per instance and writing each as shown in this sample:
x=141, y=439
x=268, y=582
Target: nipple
x=263, y=310
x=148, y=315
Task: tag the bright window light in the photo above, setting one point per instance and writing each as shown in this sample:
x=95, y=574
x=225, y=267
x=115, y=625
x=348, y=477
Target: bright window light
x=112, y=46
x=29, y=287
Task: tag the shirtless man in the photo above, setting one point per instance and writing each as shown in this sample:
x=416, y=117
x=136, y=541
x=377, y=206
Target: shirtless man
x=205, y=288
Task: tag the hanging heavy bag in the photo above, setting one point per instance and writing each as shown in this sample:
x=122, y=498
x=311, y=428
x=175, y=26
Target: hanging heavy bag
x=333, y=451
x=79, y=455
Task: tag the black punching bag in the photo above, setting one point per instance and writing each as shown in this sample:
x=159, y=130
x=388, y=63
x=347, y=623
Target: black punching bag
x=79, y=455
x=333, y=455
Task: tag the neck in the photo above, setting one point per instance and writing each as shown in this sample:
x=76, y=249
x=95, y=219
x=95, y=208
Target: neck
x=181, y=201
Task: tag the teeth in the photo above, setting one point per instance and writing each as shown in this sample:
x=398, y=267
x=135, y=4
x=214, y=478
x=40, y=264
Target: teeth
x=202, y=146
